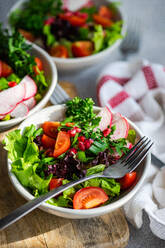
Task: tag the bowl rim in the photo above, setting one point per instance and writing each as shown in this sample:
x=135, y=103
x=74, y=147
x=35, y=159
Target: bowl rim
x=87, y=212
x=47, y=94
x=81, y=59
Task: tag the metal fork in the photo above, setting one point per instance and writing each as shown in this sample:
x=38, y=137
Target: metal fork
x=59, y=96
x=126, y=164
x=131, y=42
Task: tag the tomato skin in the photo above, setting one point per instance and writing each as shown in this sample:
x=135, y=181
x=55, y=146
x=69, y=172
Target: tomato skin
x=104, y=11
x=82, y=48
x=62, y=143
x=127, y=180
x=50, y=128
x=27, y=35
x=12, y=84
x=47, y=142
x=76, y=21
x=5, y=69
x=105, y=22
x=55, y=182
x=39, y=66
x=89, y=197
x=59, y=51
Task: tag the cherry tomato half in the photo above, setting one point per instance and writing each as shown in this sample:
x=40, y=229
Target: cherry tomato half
x=50, y=128
x=47, y=142
x=62, y=143
x=127, y=180
x=105, y=22
x=59, y=51
x=55, y=182
x=39, y=66
x=89, y=197
x=82, y=48
x=5, y=69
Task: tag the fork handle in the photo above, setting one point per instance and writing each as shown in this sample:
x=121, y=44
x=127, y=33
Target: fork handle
x=31, y=205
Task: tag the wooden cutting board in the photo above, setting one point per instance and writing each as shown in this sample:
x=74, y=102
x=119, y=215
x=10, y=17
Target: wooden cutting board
x=42, y=230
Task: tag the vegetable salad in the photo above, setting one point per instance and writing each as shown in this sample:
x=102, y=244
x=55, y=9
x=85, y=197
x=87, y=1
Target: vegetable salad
x=64, y=33
x=59, y=152
x=22, y=79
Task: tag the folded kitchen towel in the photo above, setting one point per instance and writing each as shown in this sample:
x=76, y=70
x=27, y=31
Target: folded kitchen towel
x=137, y=91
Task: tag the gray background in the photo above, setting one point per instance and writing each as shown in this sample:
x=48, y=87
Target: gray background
x=151, y=15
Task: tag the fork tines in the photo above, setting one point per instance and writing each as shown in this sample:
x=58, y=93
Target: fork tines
x=138, y=152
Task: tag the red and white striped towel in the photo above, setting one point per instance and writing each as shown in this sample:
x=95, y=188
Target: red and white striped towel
x=137, y=91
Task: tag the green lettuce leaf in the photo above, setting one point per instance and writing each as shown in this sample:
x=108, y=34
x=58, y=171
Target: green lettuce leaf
x=131, y=136
x=98, y=38
x=15, y=144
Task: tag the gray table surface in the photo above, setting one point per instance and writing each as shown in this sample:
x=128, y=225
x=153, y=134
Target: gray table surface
x=151, y=14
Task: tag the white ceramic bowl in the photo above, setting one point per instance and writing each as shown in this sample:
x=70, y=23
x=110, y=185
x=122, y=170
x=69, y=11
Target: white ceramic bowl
x=51, y=78
x=55, y=113
x=84, y=62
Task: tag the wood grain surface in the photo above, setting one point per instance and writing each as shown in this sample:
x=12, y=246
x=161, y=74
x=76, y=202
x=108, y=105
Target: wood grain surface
x=42, y=230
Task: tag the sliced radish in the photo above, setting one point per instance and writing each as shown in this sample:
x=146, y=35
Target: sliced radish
x=122, y=127
x=21, y=110
x=2, y=116
x=30, y=103
x=10, y=98
x=106, y=118
x=30, y=87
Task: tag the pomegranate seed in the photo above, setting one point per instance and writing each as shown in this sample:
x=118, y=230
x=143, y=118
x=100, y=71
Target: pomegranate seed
x=12, y=84
x=73, y=150
x=129, y=145
x=81, y=146
x=72, y=132
x=91, y=141
x=106, y=132
x=81, y=138
x=78, y=130
x=87, y=144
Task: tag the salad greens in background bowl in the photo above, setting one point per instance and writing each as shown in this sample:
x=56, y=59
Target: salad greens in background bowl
x=27, y=78
x=74, y=39
x=64, y=142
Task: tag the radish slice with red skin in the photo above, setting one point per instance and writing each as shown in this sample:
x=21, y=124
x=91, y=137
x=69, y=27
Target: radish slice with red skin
x=122, y=127
x=106, y=118
x=30, y=87
x=2, y=116
x=21, y=110
x=9, y=98
x=30, y=103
